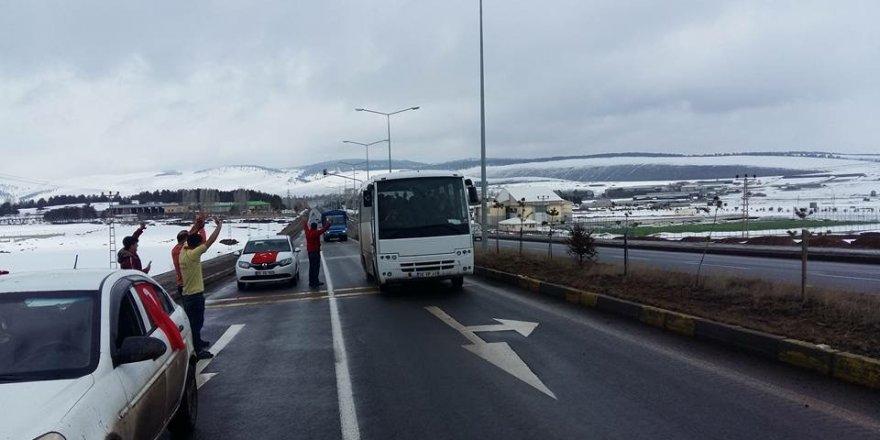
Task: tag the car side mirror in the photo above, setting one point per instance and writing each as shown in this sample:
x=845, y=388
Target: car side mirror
x=368, y=197
x=237, y=253
x=139, y=348
x=298, y=250
x=473, y=198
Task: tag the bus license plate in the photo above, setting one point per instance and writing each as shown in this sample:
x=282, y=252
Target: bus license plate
x=265, y=272
x=427, y=274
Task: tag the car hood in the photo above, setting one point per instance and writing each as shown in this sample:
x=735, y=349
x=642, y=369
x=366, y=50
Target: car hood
x=35, y=408
x=265, y=257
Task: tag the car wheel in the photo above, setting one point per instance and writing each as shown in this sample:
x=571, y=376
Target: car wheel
x=184, y=420
x=241, y=286
x=296, y=276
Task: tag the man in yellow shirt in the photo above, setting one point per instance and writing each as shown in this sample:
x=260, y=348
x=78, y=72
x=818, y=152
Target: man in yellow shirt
x=194, y=286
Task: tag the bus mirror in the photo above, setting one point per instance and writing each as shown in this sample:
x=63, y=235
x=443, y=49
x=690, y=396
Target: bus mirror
x=368, y=198
x=468, y=182
x=473, y=198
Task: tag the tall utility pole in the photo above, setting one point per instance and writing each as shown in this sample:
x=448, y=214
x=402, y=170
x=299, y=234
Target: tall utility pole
x=112, y=233
x=483, y=183
x=745, y=201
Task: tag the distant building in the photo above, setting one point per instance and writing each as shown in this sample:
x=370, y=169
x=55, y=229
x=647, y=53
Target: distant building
x=531, y=203
x=515, y=224
x=140, y=210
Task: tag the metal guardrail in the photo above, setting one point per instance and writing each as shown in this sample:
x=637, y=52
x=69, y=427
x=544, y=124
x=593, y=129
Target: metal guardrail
x=865, y=256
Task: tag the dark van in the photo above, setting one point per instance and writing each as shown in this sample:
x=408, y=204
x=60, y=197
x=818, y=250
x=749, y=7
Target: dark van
x=338, y=221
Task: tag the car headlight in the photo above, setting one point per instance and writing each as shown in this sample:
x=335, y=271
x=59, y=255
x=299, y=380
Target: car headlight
x=51, y=436
x=244, y=265
x=286, y=261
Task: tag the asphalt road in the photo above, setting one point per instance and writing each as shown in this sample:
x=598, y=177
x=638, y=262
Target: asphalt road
x=411, y=364
x=823, y=274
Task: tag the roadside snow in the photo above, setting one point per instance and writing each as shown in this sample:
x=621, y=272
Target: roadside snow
x=45, y=246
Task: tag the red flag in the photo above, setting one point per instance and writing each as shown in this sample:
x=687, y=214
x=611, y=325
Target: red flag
x=264, y=257
x=152, y=303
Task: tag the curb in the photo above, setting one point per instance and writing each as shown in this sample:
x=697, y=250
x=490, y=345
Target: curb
x=848, y=367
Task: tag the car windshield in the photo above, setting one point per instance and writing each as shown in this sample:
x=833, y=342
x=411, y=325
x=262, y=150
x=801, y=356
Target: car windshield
x=423, y=207
x=274, y=245
x=48, y=335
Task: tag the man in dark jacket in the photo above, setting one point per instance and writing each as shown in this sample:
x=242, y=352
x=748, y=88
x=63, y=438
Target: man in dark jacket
x=127, y=257
x=313, y=247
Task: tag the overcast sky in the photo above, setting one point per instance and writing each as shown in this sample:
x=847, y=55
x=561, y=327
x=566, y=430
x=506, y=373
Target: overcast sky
x=96, y=86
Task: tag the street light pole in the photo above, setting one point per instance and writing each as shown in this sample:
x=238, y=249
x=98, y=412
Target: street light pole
x=388, y=121
x=366, y=147
x=483, y=183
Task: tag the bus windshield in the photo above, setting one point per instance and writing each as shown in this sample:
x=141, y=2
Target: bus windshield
x=421, y=207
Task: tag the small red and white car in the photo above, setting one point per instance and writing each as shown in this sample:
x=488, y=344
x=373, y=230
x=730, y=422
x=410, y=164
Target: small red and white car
x=270, y=259
x=93, y=354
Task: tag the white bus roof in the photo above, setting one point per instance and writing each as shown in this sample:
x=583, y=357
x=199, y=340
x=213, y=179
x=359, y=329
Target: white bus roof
x=414, y=174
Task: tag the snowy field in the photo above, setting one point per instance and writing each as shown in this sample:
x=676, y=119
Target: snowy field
x=45, y=246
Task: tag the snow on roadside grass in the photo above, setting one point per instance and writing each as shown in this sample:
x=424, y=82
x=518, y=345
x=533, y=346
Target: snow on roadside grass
x=46, y=246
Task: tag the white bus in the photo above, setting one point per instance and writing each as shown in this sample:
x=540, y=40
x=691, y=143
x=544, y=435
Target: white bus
x=415, y=225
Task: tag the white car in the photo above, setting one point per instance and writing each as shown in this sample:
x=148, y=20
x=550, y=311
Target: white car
x=83, y=356
x=271, y=259
x=476, y=231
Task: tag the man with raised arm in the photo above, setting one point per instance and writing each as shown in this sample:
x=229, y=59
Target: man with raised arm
x=313, y=247
x=127, y=257
x=194, y=285
x=198, y=227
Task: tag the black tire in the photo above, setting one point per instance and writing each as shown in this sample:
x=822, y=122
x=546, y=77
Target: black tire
x=457, y=283
x=184, y=420
x=241, y=286
x=296, y=277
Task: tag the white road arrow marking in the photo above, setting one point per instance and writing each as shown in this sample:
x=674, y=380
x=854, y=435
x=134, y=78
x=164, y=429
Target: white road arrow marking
x=497, y=353
x=524, y=328
x=231, y=332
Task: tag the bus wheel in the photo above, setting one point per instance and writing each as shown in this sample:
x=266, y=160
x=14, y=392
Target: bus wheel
x=457, y=283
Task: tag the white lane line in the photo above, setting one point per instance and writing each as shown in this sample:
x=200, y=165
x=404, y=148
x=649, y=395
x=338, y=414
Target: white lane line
x=347, y=411
x=820, y=274
x=218, y=346
x=726, y=266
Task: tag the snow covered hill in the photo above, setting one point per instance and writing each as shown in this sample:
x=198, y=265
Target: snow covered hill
x=309, y=180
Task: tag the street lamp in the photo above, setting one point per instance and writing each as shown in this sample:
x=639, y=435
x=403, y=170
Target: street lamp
x=388, y=121
x=366, y=147
x=353, y=171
